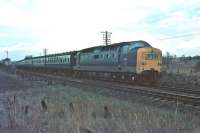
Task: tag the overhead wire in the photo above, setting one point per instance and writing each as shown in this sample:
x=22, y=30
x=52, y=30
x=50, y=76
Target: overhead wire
x=180, y=36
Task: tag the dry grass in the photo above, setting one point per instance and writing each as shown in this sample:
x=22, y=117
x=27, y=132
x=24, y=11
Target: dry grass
x=182, y=67
x=70, y=110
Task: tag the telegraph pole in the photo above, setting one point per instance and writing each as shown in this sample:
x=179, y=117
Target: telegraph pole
x=6, y=54
x=106, y=37
x=45, y=55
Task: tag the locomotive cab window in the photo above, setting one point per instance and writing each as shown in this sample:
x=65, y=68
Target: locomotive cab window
x=151, y=56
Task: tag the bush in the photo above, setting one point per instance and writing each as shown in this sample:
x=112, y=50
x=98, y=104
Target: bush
x=197, y=67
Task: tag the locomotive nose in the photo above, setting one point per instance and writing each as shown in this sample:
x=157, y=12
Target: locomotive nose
x=149, y=59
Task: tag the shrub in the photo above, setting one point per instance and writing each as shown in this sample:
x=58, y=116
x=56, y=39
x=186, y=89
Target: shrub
x=197, y=67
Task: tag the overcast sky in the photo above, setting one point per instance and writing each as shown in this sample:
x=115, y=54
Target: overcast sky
x=29, y=26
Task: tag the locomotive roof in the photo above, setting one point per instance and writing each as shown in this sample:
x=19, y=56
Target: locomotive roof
x=115, y=45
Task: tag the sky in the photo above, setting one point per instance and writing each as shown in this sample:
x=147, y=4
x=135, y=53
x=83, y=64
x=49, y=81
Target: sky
x=27, y=27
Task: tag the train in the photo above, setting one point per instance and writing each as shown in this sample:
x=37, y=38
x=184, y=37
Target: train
x=125, y=61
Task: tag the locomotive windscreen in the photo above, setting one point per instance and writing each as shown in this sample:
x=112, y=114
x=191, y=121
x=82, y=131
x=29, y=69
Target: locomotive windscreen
x=151, y=56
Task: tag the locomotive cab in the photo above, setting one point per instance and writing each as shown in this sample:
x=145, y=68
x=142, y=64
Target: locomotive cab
x=149, y=61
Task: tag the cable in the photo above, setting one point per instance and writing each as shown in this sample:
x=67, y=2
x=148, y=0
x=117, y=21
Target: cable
x=179, y=36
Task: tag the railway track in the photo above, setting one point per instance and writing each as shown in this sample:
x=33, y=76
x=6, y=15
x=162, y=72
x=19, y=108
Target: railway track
x=192, y=91
x=164, y=93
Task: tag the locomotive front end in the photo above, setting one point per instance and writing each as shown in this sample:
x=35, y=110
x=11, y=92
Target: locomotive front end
x=149, y=62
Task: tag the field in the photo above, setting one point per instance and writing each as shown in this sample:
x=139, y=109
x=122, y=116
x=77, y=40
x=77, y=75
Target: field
x=36, y=107
x=177, y=66
x=66, y=109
